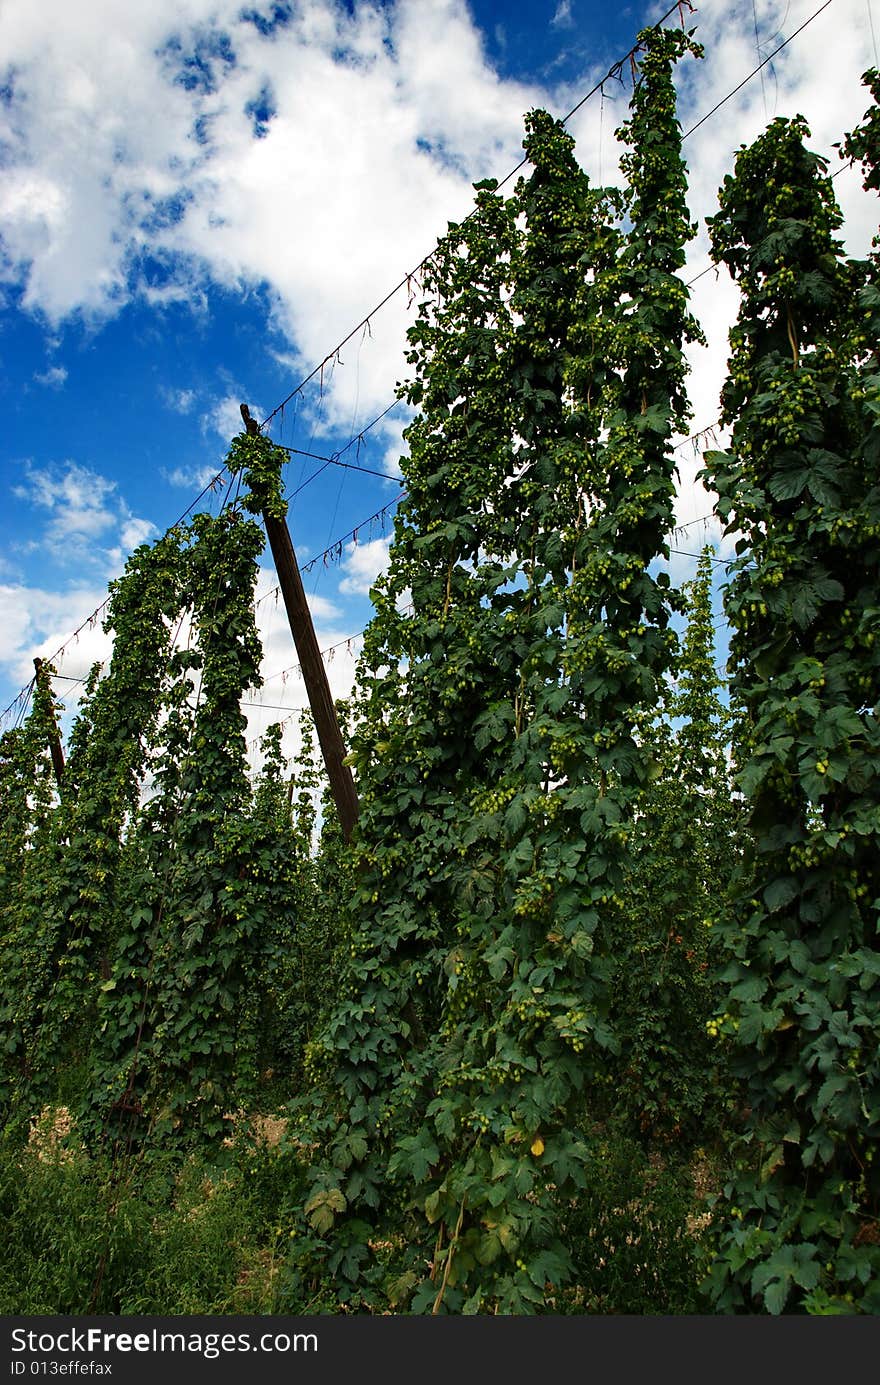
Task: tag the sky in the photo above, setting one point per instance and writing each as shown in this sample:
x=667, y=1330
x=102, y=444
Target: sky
x=205, y=202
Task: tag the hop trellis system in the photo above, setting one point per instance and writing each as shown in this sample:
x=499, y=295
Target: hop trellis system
x=583, y=892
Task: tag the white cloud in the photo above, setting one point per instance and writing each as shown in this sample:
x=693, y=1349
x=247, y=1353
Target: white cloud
x=132, y=533
x=396, y=447
x=187, y=289
x=321, y=156
x=87, y=521
x=362, y=564
x=323, y=610
x=76, y=500
x=181, y=401
x=191, y=477
x=272, y=618
x=322, y=161
x=53, y=377
x=224, y=416
x=34, y=620
x=136, y=531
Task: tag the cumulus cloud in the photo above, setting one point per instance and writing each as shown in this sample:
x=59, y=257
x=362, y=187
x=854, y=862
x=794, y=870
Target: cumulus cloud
x=362, y=564
x=132, y=534
x=273, y=624
x=392, y=437
x=315, y=150
x=75, y=498
x=323, y=609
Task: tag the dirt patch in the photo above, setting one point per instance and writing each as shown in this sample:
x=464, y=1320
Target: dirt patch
x=705, y=1187
x=270, y=1130
x=49, y=1134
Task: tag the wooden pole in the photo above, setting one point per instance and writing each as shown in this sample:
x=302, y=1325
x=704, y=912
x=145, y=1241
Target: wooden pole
x=314, y=673
x=310, y=661
x=54, y=738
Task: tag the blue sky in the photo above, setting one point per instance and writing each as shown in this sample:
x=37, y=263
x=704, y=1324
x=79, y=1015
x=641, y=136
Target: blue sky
x=201, y=198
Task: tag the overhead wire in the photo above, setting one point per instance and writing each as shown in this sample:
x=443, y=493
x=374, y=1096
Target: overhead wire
x=306, y=567
x=293, y=669
x=758, y=51
x=335, y=460
x=348, y=640
x=91, y=620
x=759, y=68
x=335, y=547
x=23, y=698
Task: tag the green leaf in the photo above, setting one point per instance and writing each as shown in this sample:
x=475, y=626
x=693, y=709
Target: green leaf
x=322, y=1207
x=432, y=1205
x=415, y=1155
x=780, y=893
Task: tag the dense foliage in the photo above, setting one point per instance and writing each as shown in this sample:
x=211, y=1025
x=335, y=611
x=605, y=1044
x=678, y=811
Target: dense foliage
x=501, y=745
x=800, y=483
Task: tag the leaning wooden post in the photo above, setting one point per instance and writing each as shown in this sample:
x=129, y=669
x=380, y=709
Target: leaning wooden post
x=313, y=672
x=54, y=737
x=312, y=665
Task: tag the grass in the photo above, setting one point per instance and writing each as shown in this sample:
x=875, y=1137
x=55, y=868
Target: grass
x=156, y=1234
x=168, y=1233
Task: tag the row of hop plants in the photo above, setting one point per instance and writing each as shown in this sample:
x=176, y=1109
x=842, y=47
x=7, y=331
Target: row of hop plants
x=160, y=911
